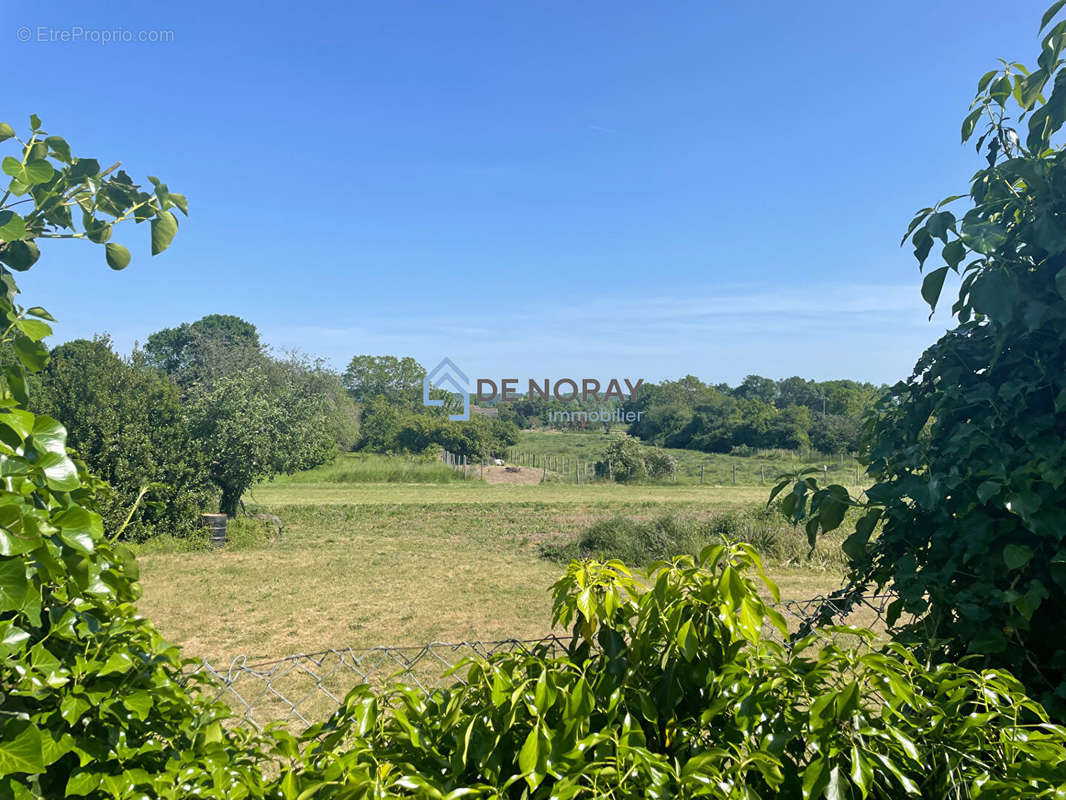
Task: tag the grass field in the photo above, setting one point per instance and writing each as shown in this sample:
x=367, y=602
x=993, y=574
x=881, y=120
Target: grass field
x=390, y=563
x=756, y=470
x=372, y=468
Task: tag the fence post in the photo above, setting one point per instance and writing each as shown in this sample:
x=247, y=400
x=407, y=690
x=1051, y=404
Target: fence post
x=701, y=473
x=734, y=474
x=762, y=474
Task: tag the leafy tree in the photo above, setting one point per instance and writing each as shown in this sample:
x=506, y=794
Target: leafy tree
x=379, y=425
x=756, y=387
x=836, y=433
x=622, y=459
x=253, y=425
x=310, y=378
x=968, y=458
x=215, y=344
x=796, y=391
x=659, y=463
x=127, y=423
x=396, y=379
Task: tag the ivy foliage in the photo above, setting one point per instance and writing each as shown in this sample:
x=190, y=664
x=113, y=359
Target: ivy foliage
x=90, y=703
x=966, y=517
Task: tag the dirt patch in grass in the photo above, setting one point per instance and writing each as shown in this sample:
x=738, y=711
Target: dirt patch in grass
x=513, y=475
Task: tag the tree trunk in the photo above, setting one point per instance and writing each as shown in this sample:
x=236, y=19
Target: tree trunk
x=231, y=497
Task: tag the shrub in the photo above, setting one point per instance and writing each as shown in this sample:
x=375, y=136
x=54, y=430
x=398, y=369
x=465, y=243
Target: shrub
x=127, y=422
x=670, y=689
x=622, y=459
x=640, y=542
x=967, y=455
x=659, y=463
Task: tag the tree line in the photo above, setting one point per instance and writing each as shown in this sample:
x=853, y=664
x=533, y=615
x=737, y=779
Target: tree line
x=203, y=411
x=687, y=413
x=759, y=413
x=193, y=419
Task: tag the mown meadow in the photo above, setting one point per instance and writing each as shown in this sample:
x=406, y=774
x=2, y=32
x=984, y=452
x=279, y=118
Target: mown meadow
x=363, y=564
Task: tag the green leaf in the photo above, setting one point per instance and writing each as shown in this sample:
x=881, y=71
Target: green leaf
x=815, y=778
x=986, y=490
x=1001, y=90
x=923, y=243
x=15, y=375
x=11, y=166
x=529, y=759
x=1016, y=556
x=180, y=202
x=34, y=329
x=37, y=311
x=11, y=638
x=970, y=123
x=59, y=146
x=37, y=171
x=12, y=226
x=13, y=583
x=164, y=228
x=953, y=253
x=861, y=773
x=118, y=257
x=1050, y=13
x=84, y=168
x=62, y=476
x=20, y=749
x=21, y=422
x=6, y=132
x=80, y=528
x=33, y=355
x=20, y=256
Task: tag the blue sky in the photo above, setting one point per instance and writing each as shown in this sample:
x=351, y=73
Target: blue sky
x=532, y=188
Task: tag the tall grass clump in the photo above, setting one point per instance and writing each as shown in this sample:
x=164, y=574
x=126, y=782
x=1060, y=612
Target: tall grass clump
x=641, y=542
x=374, y=468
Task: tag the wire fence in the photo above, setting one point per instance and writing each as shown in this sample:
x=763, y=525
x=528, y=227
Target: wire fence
x=305, y=688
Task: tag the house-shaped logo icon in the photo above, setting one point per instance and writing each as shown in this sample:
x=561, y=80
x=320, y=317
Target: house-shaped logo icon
x=449, y=377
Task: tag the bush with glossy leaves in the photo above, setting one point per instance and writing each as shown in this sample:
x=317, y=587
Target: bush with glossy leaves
x=968, y=459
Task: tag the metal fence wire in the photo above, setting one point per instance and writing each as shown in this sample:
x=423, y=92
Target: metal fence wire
x=305, y=688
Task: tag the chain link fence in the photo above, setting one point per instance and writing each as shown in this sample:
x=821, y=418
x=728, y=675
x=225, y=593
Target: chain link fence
x=305, y=688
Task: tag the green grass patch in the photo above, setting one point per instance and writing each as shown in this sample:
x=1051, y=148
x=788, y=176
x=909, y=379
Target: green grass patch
x=375, y=468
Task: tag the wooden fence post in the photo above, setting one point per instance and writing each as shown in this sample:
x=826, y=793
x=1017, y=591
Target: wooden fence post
x=701, y=473
x=734, y=474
